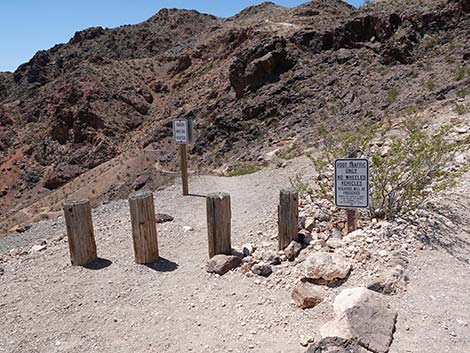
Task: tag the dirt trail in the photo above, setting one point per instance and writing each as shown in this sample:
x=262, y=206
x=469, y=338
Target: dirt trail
x=46, y=305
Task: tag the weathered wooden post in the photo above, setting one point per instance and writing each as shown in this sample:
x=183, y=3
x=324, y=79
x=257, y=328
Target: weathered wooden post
x=80, y=232
x=288, y=217
x=219, y=223
x=184, y=168
x=351, y=216
x=182, y=135
x=144, y=229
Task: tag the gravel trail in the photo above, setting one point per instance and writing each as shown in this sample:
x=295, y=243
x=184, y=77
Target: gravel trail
x=46, y=305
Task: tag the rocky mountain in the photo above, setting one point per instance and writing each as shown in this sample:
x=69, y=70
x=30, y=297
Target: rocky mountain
x=91, y=116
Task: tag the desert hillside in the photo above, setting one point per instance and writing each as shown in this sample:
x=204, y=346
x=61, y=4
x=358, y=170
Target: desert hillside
x=89, y=117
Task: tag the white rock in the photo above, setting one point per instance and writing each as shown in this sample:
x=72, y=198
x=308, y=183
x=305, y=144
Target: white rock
x=188, y=229
x=38, y=248
x=326, y=266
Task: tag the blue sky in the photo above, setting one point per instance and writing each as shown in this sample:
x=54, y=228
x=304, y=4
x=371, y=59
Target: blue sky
x=27, y=26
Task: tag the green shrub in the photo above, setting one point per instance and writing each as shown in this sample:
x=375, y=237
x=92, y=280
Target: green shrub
x=460, y=108
x=392, y=95
x=460, y=74
x=403, y=171
x=243, y=169
x=430, y=84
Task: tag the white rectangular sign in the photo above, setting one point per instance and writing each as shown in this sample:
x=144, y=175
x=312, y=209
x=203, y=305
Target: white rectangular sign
x=352, y=183
x=182, y=131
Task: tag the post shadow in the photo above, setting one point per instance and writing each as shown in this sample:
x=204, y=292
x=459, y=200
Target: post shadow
x=99, y=264
x=163, y=265
x=197, y=195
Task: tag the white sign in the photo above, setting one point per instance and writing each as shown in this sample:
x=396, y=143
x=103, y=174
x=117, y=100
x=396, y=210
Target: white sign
x=182, y=131
x=352, y=183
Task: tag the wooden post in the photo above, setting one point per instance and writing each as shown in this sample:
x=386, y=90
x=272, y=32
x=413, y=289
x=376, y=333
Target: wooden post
x=288, y=217
x=80, y=232
x=144, y=229
x=219, y=223
x=184, y=168
x=352, y=220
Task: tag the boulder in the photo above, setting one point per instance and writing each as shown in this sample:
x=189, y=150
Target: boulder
x=292, y=250
x=390, y=281
x=334, y=345
x=262, y=269
x=307, y=295
x=326, y=266
x=343, y=55
x=362, y=316
x=221, y=264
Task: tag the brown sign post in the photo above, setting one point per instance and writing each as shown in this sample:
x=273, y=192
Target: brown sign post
x=352, y=187
x=183, y=135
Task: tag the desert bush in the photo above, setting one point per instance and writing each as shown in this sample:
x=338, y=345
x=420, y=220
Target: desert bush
x=392, y=95
x=460, y=108
x=460, y=73
x=407, y=163
x=243, y=169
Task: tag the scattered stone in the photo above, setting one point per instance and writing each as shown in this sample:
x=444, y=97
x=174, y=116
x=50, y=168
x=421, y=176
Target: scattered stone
x=389, y=282
x=188, y=229
x=140, y=182
x=23, y=228
x=17, y=252
x=309, y=224
x=362, y=316
x=247, y=266
x=248, y=249
x=326, y=266
x=262, y=269
x=292, y=250
x=221, y=264
x=333, y=243
x=334, y=345
x=322, y=216
x=306, y=340
x=270, y=257
x=1, y=271
x=163, y=218
x=383, y=253
x=343, y=55
x=307, y=295
x=38, y=248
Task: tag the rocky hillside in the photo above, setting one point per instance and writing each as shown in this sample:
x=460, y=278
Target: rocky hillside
x=91, y=116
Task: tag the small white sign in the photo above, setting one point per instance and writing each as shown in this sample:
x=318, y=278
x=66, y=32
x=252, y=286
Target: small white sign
x=182, y=131
x=352, y=183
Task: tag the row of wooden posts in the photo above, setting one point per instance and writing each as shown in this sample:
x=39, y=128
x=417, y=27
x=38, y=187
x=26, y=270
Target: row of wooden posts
x=82, y=243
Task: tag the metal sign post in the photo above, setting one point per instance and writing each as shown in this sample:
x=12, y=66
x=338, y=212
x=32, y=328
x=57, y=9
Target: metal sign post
x=352, y=187
x=183, y=135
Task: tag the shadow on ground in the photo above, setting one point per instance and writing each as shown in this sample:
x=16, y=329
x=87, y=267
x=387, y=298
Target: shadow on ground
x=98, y=264
x=452, y=236
x=163, y=265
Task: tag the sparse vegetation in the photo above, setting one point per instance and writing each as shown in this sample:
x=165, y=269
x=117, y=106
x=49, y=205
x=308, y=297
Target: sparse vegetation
x=430, y=84
x=460, y=74
x=460, y=108
x=404, y=170
x=243, y=169
x=392, y=95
